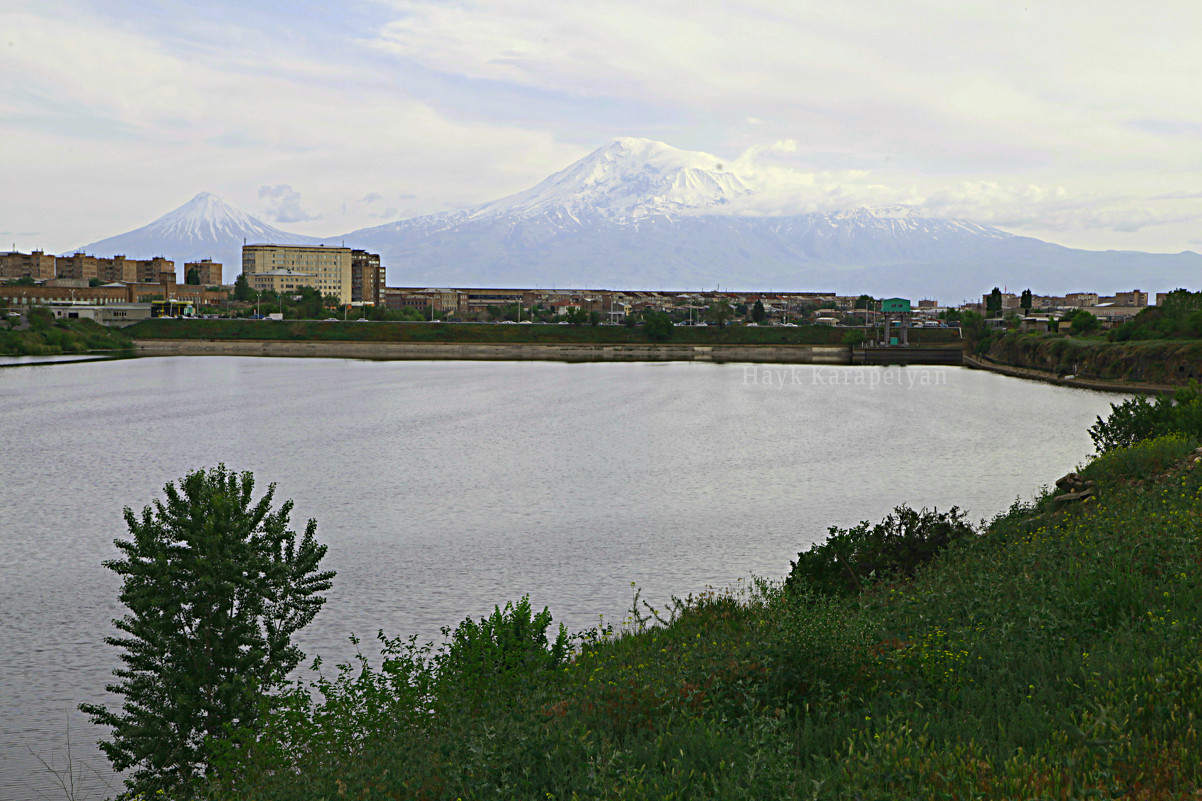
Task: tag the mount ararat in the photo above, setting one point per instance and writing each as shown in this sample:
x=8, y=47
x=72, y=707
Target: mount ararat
x=637, y=214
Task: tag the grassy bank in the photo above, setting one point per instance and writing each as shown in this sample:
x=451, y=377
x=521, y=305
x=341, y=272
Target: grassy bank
x=316, y=330
x=1052, y=654
x=63, y=337
x=1154, y=361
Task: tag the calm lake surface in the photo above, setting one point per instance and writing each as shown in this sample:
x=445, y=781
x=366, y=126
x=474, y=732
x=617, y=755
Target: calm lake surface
x=443, y=488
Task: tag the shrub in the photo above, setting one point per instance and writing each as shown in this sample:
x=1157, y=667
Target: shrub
x=1144, y=459
x=657, y=326
x=509, y=639
x=895, y=547
x=1137, y=419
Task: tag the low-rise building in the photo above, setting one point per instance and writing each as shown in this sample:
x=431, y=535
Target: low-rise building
x=1132, y=298
x=1080, y=299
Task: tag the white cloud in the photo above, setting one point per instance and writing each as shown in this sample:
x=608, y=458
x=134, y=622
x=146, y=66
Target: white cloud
x=283, y=204
x=131, y=125
x=1046, y=116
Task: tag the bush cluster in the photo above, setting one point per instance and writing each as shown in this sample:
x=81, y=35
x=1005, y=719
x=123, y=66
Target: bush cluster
x=1138, y=418
x=1179, y=317
x=894, y=548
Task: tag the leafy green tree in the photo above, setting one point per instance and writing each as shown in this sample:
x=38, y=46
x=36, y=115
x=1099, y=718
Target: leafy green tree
x=719, y=312
x=40, y=318
x=1083, y=322
x=657, y=326
x=311, y=305
x=1026, y=300
x=758, y=313
x=242, y=290
x=865, y=301
x=993, y=303
x=192, y=277
x=215, y=585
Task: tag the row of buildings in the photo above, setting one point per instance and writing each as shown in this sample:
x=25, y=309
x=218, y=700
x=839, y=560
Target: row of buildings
x=1115, y=308
x=1076, y=300
x=39, y=266
x=357, y=277
x=352, y=276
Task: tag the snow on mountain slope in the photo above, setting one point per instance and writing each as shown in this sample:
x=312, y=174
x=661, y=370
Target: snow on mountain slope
x=204, y=227
x=625, y=181
x=640, y=214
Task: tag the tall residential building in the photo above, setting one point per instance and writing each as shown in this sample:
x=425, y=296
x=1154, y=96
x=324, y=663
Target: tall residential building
x=151, y=270
x=367, y=278
x=36, y=265
x=328, y=268
x=78, y=265
x=209, y=271
x=117, y=269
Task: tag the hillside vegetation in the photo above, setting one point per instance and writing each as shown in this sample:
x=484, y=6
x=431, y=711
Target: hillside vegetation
x=1157, y=361
x=1052, y=653
x=1162, y=345
x=53, y=338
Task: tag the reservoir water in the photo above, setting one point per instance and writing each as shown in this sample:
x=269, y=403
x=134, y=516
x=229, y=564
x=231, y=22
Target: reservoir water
x=443, y=488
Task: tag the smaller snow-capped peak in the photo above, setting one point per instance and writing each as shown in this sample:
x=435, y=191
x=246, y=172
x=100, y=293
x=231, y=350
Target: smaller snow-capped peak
x=627, y=179
x=208, y=217
x=204, y=227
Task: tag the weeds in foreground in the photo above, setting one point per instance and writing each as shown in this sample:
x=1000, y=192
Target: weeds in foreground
x=1052, y=654
x=75, y=780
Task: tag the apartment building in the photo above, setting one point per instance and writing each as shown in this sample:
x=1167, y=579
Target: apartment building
x=1132, y=298
x=207, y=270
x=79, y=266
x=326, y=269
x=367, y=278
x=36, y=265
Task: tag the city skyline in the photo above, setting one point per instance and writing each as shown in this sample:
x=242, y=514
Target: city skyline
x=1071, y=123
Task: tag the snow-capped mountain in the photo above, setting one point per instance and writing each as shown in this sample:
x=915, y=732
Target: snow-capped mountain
x=638, y=214
x=629, y=180
x=206, y=227
x=641, y=214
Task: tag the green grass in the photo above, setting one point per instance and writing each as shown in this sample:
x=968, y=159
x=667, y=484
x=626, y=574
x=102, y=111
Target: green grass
x=314, y=330
x=63, y=337
x=1053, y=655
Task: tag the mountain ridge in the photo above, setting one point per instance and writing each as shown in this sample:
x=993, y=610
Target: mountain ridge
x=641, y=214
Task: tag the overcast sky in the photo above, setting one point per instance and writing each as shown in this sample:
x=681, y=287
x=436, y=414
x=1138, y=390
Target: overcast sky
x=1079, y=122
